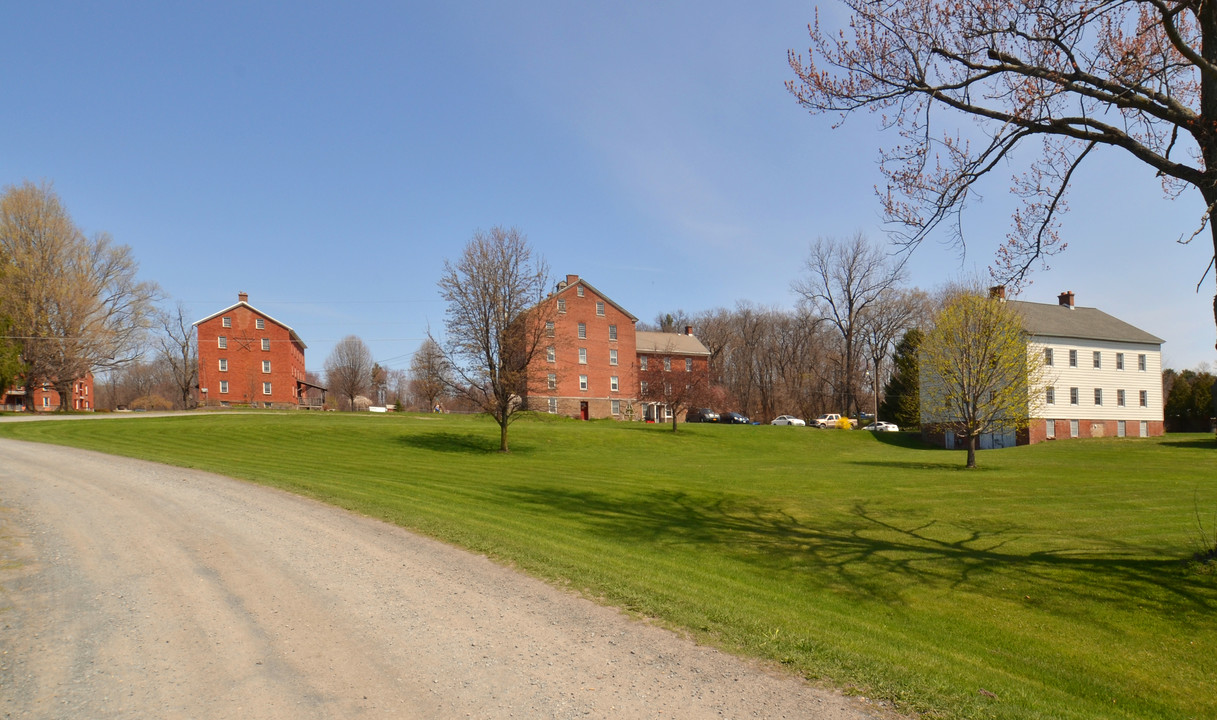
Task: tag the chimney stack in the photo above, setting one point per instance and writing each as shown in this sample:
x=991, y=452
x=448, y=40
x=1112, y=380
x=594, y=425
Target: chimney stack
x=1065, y=299
x=243, y=297
x=572, y=279
x=998, y=292
x=688, y=329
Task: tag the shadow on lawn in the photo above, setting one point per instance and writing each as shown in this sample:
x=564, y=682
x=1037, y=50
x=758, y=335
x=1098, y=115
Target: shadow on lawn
x=872, y=555
x=451, y=442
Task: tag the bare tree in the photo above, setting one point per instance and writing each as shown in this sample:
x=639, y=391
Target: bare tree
x=1067, y=77
x=179, y=351
x=885, y=322
x=430, y=373
x=495, y=321
x=844, y=279
x=74, y=301
x=348, y=369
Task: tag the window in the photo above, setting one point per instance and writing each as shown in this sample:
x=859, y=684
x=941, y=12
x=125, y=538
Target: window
x=643, y=387
x=1050, y=396
x=226, y=322
x=1144, y=399
x=1119, y=398
x=266, y=388
x=1098, y=359
x=1141, y=363
x=550, y=355
x=222, y=341
x=549, y=329
x=688, y=364
x=1119, y=361
x=1047, y=356
x=1121, y=428
x=552, y=381
x=1050, y=428
x=1073, y=428
x=553, y=406
x=224, y=387
x=562, y=305
x=642, y=362
x=223, y=364
x=667, y=364
x=579, y=290
x=1073, y=358
x=1098, y=396
x=612, y=332
x=46, y=402
x=1073, y=396
x=615, y=407
x=582, y=331
x=260, y=324
x=266, y=343
x=612, y=357
x=582, y=382
x=582, y=356
x=613, y=383
x=600, y=308
x=266, y=366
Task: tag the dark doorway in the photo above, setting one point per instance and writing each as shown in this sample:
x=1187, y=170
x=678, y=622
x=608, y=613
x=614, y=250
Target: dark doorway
x=583, y=409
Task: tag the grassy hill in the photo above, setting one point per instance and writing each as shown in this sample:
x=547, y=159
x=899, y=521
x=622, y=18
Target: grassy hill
x=1053, y=582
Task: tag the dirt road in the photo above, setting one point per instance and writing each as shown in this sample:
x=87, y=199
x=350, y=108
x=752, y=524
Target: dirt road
x=136, y=590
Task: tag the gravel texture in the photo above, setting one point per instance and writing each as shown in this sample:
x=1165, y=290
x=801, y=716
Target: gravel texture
x=135, y=590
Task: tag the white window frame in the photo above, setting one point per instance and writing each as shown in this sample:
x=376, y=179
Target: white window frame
x=612, y=332
x=223, y=387
x=615, y=407
x=612, y=356
x=688, y=364
x=222, y=342
x=549, y=328
x=551, y=355
x=667, y=364
x=553, y=406
x=1120, y=400
x=582, y=331
x=613, y=386
x=552, y=381
x=1098, y=360
x=582, y=356
x=1050, y=395
x=561, y=305
x=259, y=324
x=579, y=290
x=1141, y=362
x=1119, y=361
x=1098, y=396
x=266, y=388
x=1073, y=358
x=226, y=322
x=642, y=362
x=265, y=344
x=1074, y=396
x=1143, y=398
x=583, y=382
x=600, y=308
x=1048, y=356
x=266, y=366
x=223, y=364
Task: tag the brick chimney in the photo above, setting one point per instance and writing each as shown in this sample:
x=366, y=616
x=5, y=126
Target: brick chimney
x=998, y=292
x=243, y=297
x=688, y=329
x=572, y=279
x=1065, y=299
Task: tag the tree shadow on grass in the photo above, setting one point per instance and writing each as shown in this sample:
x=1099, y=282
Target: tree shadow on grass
x=451, y=442
x=871, y=554
x=1203, y=443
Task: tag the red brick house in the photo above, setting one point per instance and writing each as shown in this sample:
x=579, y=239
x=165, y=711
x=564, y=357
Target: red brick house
x=246, y=357
x=589, y=365
x=46, y=399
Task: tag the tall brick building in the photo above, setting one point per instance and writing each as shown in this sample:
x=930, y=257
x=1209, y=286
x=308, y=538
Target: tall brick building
x=246, y=357
x=589, y=366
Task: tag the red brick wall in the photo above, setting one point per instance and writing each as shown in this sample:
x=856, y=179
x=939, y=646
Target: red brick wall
x=245, y=357
x=46, y=399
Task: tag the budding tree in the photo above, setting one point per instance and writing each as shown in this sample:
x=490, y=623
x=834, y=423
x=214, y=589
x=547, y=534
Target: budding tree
x=1066, y=78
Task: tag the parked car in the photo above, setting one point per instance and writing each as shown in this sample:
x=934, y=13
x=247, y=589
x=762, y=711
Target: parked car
x=701, y=415
x=827, y=420
x=787, y=420
x=734, y=418
x=883, y=426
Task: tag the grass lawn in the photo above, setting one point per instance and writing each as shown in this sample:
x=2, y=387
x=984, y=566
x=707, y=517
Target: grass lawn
x=1053, y=582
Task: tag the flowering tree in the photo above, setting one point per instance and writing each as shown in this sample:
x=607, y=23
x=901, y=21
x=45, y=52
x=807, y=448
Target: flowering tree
x=1067, y=77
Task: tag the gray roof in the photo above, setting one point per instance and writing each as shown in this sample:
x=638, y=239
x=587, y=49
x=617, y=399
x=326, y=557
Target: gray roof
x=1078, y=322
x=662, y=343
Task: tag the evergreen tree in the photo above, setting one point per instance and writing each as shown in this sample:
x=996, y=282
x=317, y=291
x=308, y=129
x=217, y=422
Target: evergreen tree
x=902, y=394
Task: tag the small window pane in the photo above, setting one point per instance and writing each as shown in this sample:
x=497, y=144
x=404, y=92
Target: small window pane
x=600, y=309
x=260, y=324
x=223, y=342
x=582, y=331
x=266, y=343
x=612, y=332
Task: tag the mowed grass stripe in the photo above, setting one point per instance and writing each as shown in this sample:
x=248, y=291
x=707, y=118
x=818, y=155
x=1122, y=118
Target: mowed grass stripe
x=1054, y=577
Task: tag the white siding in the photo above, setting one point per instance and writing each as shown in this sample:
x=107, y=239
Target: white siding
x=1085, y=377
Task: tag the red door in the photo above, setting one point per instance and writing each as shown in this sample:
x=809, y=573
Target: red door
x=583, y=409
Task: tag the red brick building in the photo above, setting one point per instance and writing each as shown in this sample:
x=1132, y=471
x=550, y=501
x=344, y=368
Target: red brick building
x=246, y=357
x=589, y=365
x=46, y=399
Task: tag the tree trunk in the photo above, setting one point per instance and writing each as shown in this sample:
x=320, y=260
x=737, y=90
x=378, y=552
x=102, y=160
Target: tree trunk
x=971, y=451
x=503, y=436
x=673, y=422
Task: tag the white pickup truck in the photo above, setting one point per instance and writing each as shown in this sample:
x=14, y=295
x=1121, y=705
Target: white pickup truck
x=830, y=420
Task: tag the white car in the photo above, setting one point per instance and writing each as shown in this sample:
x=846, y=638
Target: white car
x=883, y=426
x=787, y=420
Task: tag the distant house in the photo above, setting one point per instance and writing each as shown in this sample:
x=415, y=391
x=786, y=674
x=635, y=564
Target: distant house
x=247, y=357
x=44, y=397
x=679, y=354
x=1103, y=376
x=588, y=367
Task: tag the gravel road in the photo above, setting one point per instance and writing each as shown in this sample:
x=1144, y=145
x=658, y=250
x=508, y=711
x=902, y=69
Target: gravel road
x=136, y=590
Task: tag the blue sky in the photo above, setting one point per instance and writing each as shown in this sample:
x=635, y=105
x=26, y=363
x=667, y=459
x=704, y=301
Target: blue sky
x=327, y=158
